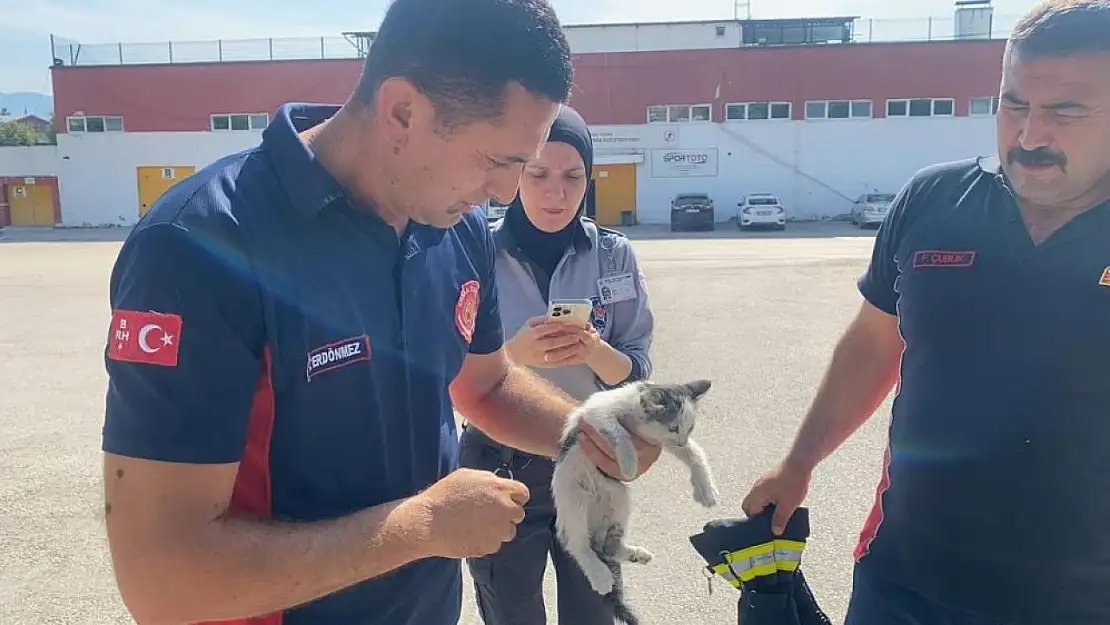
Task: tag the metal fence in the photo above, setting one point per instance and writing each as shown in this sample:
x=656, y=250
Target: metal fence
x=924, y=29
x=68, y=52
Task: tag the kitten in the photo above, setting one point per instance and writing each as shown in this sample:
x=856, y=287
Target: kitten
x=592, y=510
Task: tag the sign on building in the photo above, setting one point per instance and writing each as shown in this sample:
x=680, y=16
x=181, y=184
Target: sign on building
x=699, y=163
x=637, y=137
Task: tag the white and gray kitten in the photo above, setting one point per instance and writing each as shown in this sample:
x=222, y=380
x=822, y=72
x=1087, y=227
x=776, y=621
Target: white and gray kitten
x=592, y=510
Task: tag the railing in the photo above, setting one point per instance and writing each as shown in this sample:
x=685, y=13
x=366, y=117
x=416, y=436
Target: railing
x=925, y=29
x=68, y=52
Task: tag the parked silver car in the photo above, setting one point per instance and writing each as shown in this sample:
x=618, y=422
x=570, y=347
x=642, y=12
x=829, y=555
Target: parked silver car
x=495, y=210
x=869, y=209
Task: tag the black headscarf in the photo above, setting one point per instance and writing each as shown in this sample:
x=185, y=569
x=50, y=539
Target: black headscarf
x=546, y=249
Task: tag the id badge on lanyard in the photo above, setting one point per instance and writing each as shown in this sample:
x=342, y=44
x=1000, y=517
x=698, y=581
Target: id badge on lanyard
x=614, y=287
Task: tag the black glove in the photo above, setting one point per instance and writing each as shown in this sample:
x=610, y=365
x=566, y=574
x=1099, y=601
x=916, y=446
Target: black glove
x=765, y=568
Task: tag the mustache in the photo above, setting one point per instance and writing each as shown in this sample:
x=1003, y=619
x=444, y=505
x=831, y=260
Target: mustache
x=1039, y=156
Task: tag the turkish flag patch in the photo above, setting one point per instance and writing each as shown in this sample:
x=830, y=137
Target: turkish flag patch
x=145, y=337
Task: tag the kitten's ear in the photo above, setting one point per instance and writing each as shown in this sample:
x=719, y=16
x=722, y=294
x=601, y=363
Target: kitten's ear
x=697, y=388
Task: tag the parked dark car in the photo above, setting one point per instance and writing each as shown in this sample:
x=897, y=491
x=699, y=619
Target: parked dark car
x=692, y=211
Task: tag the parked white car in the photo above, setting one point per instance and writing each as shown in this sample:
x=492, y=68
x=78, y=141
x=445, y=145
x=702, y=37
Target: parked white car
x=761, y=209
x=870, y=209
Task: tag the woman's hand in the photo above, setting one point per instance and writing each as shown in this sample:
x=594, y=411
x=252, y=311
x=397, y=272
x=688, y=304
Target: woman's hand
x=542, y=344
x=608, y=363
x=589, y=345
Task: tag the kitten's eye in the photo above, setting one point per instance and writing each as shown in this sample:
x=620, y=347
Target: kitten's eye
x=674, y=429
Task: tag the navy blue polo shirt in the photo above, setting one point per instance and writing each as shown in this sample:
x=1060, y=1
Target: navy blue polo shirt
x=995, y=496
x=306, y=341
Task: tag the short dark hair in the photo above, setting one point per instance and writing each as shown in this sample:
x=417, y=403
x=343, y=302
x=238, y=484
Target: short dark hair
x=1058, y=28
x=463, y=54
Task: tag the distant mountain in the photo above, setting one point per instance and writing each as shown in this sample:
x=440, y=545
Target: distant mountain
x=27, y=103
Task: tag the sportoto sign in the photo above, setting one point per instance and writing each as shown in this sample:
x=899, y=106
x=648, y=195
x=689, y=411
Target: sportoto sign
x=701, y=163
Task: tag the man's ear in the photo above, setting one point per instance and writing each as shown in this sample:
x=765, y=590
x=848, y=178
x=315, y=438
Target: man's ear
x=400, y=105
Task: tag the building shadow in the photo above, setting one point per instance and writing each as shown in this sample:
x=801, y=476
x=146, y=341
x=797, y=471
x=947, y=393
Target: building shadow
x=728, y=230
x=20, y=234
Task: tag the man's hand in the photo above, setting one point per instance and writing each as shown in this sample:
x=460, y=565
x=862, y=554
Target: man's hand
x=471, y=513
x=598, y=450
x=786, y=486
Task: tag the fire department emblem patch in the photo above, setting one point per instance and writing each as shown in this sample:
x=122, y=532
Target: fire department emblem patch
x=598, y=315
x=466, y=309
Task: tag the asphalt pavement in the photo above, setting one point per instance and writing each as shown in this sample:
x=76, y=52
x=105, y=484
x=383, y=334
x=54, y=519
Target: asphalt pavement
x=756, y=313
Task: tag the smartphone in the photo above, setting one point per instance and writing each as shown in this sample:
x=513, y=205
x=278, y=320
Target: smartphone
x=569, y=310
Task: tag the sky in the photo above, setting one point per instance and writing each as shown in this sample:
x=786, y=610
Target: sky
x=25, y=31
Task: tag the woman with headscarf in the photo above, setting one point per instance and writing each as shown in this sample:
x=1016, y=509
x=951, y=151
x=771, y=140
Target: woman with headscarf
x=548, y=249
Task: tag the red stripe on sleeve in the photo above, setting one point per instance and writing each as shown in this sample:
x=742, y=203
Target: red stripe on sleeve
x=253, y=492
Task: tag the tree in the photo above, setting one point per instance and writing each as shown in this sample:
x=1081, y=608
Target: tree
x=52, y=131
x=17, y=133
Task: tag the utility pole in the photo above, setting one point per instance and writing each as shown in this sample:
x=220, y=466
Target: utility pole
x=742, y=9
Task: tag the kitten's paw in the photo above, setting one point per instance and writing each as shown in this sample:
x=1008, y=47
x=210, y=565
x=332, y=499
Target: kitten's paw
x=638, y=555
x=705, y=493
x=601, y=578
x=628, y=462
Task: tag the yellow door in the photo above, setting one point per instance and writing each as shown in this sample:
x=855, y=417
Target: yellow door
x=615, y=193
x=154, y=181
x=31, y=204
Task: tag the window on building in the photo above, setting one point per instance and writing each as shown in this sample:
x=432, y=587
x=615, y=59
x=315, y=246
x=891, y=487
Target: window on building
x=94, y=123
x=240, y=121
x=944, y=107
x=983, y=106
x=680, y=113
x=719, y=31
x=744, y=111
x=838, y=109
x=921, y=107
x=797, y=32
x=861, y=108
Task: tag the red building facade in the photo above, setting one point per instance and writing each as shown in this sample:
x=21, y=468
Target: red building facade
x=610, y=88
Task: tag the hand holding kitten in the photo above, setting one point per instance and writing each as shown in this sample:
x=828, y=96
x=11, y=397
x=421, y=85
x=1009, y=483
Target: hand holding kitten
x=600, y=451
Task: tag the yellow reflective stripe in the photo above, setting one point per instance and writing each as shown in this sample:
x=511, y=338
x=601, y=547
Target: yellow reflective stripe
x=788, y=554
x=724, y=572
x=760, y=560
x=752, y=562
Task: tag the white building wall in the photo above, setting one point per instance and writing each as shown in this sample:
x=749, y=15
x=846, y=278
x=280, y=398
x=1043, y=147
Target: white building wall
x=37, y=160
x=99, y=171
x=818, y=167
x=653, y=37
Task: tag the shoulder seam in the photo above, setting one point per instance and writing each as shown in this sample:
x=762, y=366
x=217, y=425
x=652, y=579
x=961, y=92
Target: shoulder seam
x=200, y=185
